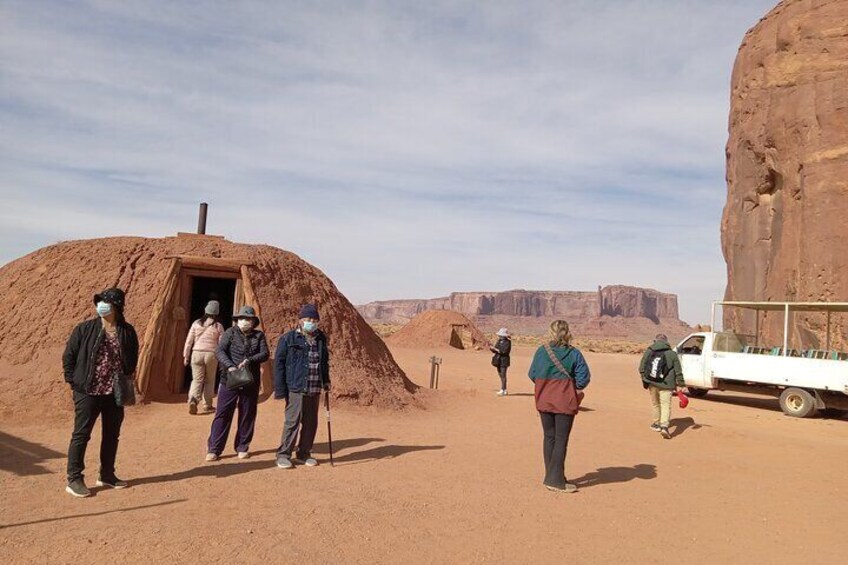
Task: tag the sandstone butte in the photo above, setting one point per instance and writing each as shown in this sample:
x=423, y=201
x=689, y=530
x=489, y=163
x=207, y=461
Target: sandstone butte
x=785, y=224
x=613, y=311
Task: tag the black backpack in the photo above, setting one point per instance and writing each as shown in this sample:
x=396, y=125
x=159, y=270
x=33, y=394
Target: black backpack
x=656, y=367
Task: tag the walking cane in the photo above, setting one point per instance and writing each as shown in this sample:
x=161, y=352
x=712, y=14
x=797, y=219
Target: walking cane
x=329, y=429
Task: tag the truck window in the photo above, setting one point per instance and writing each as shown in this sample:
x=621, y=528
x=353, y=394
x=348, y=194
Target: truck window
x=692, y=346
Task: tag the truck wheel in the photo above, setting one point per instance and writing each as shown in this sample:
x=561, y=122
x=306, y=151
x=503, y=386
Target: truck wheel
x=797, y=402
x=697, y=392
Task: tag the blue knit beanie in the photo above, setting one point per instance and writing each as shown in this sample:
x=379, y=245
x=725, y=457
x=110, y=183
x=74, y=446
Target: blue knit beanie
x=308, y=311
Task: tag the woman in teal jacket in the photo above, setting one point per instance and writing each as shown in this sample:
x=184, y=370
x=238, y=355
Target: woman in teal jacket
x=559, y=373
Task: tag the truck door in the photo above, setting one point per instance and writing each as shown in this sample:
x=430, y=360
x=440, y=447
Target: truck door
x=691, y=352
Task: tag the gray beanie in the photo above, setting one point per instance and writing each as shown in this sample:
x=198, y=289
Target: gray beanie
x=213, y=308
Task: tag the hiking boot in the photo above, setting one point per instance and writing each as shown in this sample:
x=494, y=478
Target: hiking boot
x=284, y=463
x=211, y=456
x=655, y=427
x=77, y=488
x=243, y=454
x=192, y=407
x=111, y=482
x=568, y=488
x=665, y=433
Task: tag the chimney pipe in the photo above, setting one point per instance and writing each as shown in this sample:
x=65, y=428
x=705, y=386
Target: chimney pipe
x=201, y=219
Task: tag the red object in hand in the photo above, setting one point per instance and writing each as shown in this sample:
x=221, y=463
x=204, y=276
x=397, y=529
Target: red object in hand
x=684, y=400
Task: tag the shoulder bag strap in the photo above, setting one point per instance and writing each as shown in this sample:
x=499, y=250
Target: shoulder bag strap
x=555, y=360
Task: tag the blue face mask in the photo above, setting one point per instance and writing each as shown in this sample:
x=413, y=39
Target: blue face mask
x=309, y=326
x=104, y=309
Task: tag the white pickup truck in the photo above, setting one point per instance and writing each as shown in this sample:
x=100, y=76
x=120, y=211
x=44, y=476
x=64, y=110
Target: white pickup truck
x=805, y=381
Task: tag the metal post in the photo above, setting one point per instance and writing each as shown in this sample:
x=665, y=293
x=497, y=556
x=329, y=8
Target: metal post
x=712, y=319
x=438, y=370
x=201, y=219
x=828, y=331
x=786, y=330
x=756, y=328
x=432, y=371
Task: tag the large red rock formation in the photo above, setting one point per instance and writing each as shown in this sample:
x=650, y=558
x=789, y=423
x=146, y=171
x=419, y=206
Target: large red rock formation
x=622, y=312
x=784, y=226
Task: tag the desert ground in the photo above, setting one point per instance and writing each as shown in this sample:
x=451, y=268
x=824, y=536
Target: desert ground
x=457, y=480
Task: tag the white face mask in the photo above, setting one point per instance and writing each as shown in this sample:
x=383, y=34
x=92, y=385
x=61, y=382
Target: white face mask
x=245, y=324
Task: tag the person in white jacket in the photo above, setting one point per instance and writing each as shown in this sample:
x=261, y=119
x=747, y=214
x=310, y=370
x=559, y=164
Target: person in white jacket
x=199, y=351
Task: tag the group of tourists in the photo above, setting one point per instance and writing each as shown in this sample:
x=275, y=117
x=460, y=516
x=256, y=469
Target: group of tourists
x=102, y=353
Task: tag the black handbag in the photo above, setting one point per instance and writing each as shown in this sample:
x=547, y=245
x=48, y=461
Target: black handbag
x=123, y=388
x=239, y=378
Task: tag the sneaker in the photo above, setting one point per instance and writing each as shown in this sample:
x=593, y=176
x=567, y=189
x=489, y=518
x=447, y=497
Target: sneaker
x=501, y=393
x=568, y=488
x=310, y=462
x=192, y=407
x=111, y=482
x=655, y=427
x=284, y=463
x=77, y=488
x=211, y=456
x=208, y=409
x=243, y=454
x=665, y=433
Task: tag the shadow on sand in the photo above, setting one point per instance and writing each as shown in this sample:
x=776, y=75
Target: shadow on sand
x=24, y=458
x=679, y=425
x=610, y=475
x=89, y=515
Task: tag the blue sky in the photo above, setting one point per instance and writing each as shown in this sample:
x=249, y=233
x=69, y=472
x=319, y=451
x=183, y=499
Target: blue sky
x=408, y=149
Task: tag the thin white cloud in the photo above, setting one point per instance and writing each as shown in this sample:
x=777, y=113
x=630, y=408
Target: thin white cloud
x=405, y=148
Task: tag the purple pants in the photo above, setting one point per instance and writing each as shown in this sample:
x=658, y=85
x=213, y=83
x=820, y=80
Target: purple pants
x=246, y=399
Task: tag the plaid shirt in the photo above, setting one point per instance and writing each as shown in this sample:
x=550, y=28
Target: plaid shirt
x=313, y=377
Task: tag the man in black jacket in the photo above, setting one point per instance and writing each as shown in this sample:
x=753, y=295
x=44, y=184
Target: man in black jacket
x=97, y=350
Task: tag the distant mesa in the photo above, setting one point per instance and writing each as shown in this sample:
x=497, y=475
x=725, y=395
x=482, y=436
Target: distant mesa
x=784, y=226
x=168, y=281
x=439, y=328
x=621, y=312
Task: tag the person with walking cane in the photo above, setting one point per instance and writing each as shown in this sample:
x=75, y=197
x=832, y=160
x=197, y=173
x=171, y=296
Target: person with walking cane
x=301, y=372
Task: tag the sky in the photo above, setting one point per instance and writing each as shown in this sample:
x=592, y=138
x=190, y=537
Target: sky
x=407, y=149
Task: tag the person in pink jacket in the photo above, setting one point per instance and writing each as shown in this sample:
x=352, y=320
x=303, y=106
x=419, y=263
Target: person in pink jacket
x=199, y=351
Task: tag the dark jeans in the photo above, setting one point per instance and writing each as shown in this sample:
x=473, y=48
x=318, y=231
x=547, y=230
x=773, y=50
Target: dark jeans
x=302, y=413
x=502, y=374
x=246, y=399
x=86, y=410
x=557, y=428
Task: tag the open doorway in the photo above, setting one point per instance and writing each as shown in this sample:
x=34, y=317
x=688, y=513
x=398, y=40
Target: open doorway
x=204, y=289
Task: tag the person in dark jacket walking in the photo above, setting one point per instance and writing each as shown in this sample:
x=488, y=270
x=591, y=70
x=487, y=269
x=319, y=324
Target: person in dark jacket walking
x=661, y=376
x=559, y=374
x=301, y=372
x=97, y=350
x=500, y=359
x=242, y=345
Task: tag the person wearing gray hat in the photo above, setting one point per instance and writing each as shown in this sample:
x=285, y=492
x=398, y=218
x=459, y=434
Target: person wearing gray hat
x=199, y=352
x=241, y=346
x=661, y=375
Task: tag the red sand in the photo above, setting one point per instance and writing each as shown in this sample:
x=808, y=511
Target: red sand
x=457, y=482
x=45, y=294
x=434, y=329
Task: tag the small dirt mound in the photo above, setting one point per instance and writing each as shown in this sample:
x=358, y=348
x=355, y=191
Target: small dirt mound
x=437, y=328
